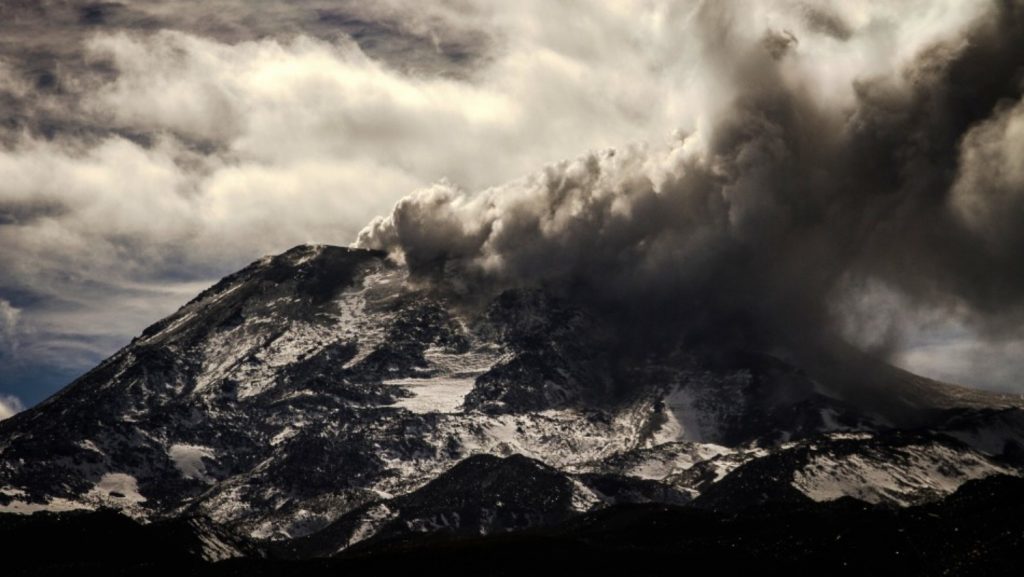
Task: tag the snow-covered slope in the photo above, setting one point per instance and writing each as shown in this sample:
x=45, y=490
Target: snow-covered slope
x=324, y=388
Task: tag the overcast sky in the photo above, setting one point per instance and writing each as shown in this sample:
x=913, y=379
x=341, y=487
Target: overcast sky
x=149, y=147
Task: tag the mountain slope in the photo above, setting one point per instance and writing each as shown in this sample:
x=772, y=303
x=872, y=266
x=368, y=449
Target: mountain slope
x=324, y=390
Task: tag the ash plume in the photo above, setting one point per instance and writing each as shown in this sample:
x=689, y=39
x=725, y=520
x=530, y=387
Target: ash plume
x=773, y=223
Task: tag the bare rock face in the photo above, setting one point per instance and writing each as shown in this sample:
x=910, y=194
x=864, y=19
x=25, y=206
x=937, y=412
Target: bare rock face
x=320, y=399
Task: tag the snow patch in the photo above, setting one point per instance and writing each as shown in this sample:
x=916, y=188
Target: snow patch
x=433, y=395
x=189, y=461
x=117, y=489
x=88, y=445
x=660, y=462
x=904, y=476
x=53, y=505
x=583, y=498
x=451, y=376
x=285, y=434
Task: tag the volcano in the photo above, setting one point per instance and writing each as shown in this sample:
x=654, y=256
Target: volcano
x=323, y=403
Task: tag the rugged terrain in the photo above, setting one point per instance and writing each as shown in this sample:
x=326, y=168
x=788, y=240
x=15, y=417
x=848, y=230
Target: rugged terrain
x=322, y=402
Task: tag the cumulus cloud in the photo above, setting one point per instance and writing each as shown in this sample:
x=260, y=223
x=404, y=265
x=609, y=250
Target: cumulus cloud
x=146, y=155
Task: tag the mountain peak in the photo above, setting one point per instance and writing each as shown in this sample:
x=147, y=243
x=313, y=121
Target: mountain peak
x=321, y=393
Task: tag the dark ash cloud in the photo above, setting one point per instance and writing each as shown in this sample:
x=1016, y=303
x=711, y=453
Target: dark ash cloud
x=761, y=229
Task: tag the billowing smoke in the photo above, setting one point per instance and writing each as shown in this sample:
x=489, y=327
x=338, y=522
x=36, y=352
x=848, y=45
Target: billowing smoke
x=794, y=214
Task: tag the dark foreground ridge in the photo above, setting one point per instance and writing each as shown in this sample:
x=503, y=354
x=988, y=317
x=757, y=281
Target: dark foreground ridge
x=978, y=530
